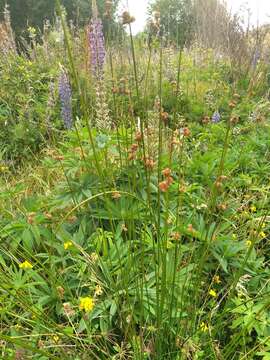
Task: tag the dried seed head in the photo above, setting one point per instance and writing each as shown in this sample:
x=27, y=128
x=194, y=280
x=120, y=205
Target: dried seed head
x=48, y=215
x=182, y=188
x=68, y=310
x=60, y=291
x=58, y=157
x=30, y=218
x=222, y=207
x=127, y=18
x=108, y=9
x=116, y=195
x=234, y=120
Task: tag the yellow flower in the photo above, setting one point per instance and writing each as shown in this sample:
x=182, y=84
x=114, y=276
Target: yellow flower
x=25, y=265
x=253, y=208
x=204, y=326
x=234, y=236
x=55, y=338
x=86, y=304
x=3, y=168
x=248, y=243
x=262, y=234
x=216, y=279
x=67, y=244
x=212, y=293
x=98, y=290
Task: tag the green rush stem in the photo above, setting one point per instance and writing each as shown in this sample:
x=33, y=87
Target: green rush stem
x=115, y=109
x=180, y=161
x=159, y=243
x=179, y=203
x=147, y=174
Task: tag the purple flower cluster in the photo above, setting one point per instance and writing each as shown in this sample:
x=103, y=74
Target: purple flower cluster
x=65, y=99
x=216, y=117
x=97, y=46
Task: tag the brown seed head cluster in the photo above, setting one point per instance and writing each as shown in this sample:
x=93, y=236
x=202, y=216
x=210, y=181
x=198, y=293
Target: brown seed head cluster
x=108, y=9
x=186, y=132
x=31, y=218
x=206, y=120
x=164, y=185
x=132, y=152
x=149, y=163
x=127, y=18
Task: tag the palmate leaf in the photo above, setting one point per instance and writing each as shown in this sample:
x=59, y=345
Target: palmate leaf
x=121, y=209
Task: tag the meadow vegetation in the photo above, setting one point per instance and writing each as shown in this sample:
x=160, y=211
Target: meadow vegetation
x=134, y=175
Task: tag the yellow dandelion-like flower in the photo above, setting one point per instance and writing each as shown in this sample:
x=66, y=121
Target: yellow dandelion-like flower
x=216, y=279
x=253, y=208
x=86, y=303
x=262, y=234
x=248, y=243
x=264, y=225
x=212, y=293
x=55, y=338
x=26, y=265
x=203, y=327
x=98, y=290
x=67, y=245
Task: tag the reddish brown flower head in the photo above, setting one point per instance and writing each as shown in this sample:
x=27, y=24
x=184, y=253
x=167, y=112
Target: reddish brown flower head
x=190, y=228
x=175, y=236
x=134, y=147
x=186, y=132
x=149, y=163
x=163, y=186
x=166, y=172
x=164, y=116
x=131, y=156
x=206, y=120
x=169, y=180
x=138, y=136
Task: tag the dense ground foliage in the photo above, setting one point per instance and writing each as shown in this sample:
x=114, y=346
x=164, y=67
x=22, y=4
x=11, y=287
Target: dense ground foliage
x=134, y=201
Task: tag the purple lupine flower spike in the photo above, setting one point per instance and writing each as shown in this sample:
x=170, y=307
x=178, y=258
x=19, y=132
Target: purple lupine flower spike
x=216, y=117
x=96, y=43
x=65, y=99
